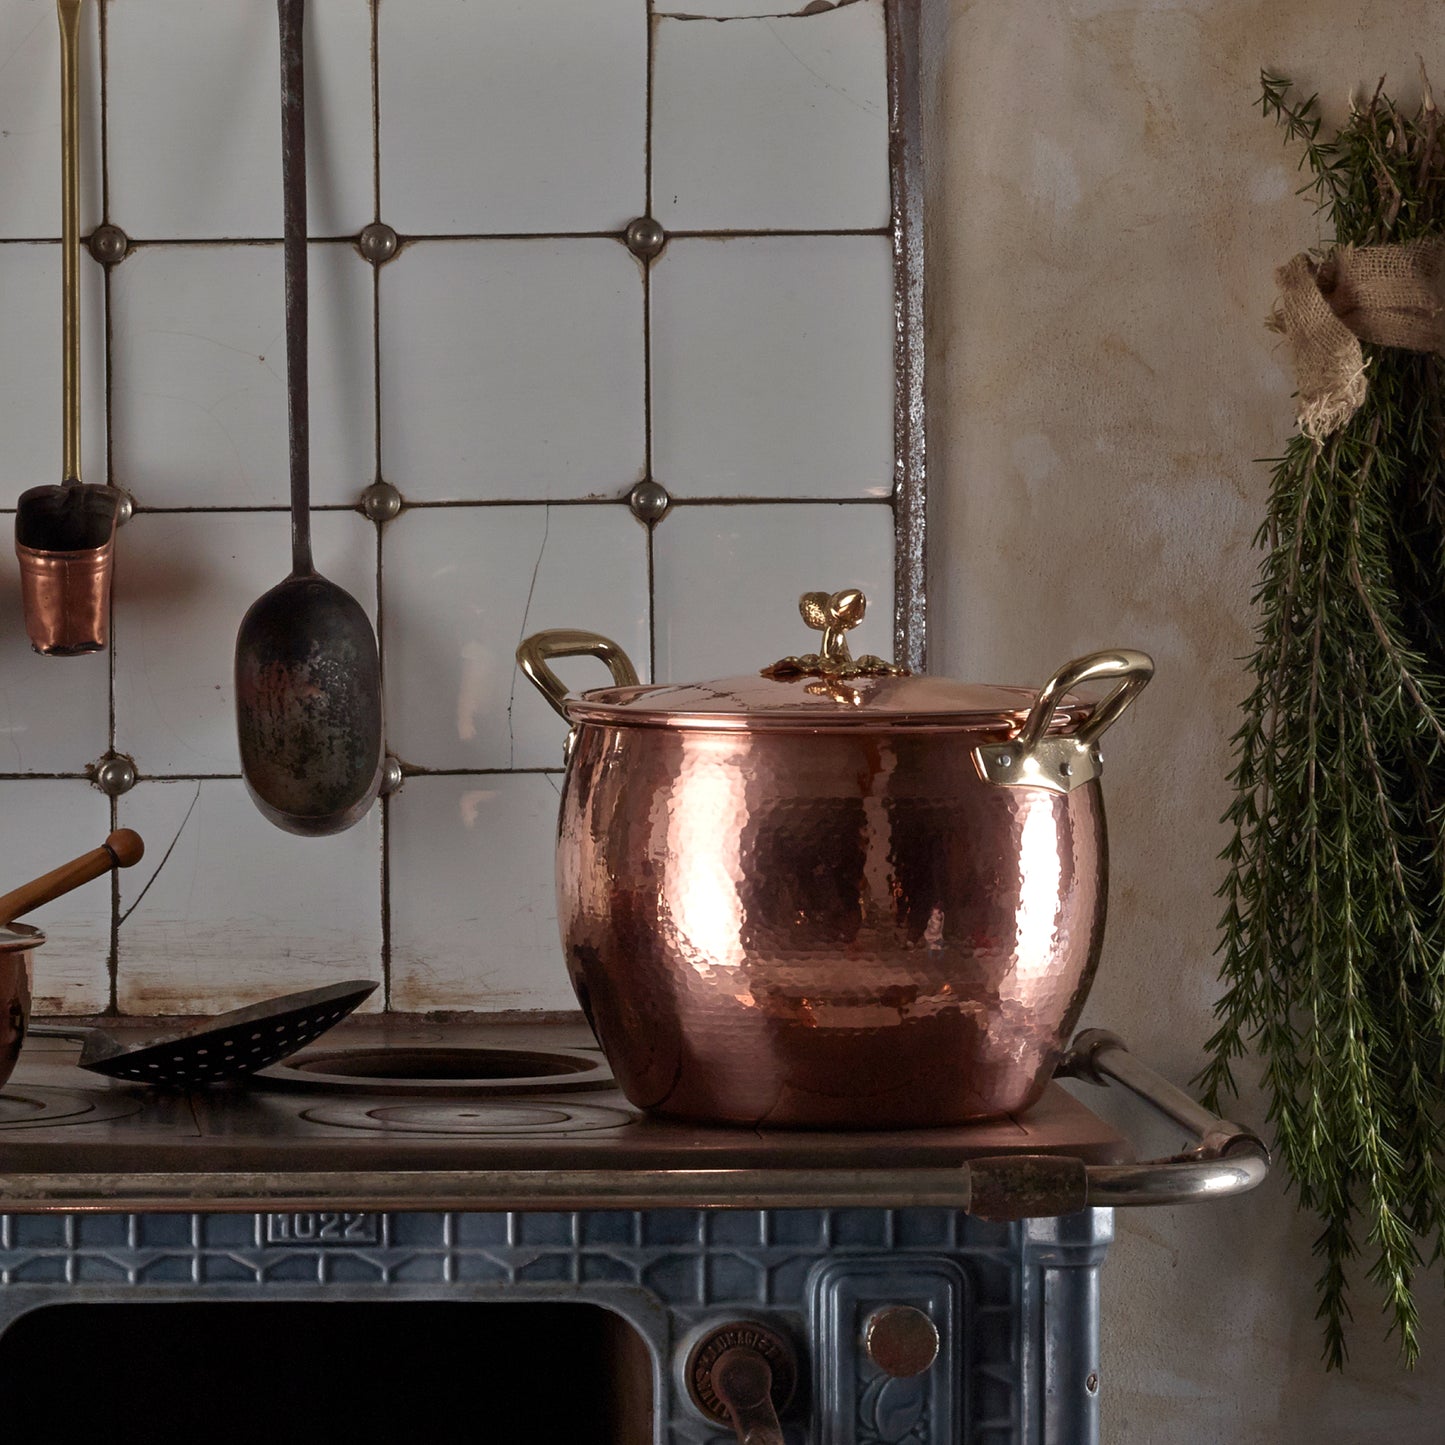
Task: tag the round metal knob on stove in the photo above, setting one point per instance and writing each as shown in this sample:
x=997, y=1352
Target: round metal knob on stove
x=901, y=1340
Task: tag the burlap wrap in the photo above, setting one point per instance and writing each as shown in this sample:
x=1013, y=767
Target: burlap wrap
x=1388, y=295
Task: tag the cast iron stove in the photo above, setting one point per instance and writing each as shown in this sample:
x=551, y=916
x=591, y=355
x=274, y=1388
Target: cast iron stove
x=933, y=1287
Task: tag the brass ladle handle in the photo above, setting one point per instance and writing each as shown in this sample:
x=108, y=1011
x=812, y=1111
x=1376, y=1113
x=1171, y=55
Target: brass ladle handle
x=536, y=651
x=69, y=15
x=743, y=1380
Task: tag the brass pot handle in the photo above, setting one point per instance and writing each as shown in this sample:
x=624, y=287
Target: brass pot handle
x=535, y=652
x=1064, y=762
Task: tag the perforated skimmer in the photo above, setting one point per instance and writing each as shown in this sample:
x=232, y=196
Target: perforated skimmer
x=218, y=1049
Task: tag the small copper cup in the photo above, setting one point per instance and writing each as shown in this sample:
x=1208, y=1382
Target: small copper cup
x=17, y=942
x=65, y=540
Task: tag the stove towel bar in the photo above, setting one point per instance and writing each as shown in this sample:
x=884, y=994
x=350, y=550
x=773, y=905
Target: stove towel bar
x=1228, y=1159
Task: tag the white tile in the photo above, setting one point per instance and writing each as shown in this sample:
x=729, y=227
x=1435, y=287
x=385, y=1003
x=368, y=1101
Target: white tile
x=194, y=117
x=48, y=822
x=463, y=587
x=30, y=368
x=473, y=906
x=241, y=911
x=507, y=117
x=199, y=350
x=183, y=582
x=728, y=581
x=512, y=369
x=54, y=711
x=772, y=123
x=772, y=367
x=30, y=118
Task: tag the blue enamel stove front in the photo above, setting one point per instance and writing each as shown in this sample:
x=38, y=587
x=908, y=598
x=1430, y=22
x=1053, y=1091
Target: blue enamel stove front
x=1016, y=1306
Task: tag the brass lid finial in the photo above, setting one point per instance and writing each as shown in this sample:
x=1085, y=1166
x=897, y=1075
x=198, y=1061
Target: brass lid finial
x=834, y=615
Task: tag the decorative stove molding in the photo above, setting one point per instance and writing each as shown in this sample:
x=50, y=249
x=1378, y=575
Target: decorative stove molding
x=1016, y=1306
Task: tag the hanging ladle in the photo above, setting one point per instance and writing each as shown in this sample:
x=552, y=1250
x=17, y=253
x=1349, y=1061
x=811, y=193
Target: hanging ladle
x=308, y=679
x=65, y=535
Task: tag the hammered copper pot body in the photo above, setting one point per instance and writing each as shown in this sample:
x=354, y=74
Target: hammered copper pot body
x=832, y=893
x=17, y=942
x=832, y=929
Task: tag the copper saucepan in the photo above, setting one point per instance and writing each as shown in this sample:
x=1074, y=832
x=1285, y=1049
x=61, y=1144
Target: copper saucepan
x=831, y=893
x=122, y=849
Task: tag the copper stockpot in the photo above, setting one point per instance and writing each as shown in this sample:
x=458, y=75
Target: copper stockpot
x=831, y=893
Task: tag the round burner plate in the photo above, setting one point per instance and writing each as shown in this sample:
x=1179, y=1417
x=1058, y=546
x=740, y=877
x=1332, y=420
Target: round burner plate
x=479, y=1118
x=33, y=1106
x=433, y=1069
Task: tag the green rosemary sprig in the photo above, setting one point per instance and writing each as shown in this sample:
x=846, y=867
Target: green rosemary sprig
x=1333, y=932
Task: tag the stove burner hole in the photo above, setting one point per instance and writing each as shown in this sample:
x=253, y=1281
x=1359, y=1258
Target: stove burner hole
x=233, y=1374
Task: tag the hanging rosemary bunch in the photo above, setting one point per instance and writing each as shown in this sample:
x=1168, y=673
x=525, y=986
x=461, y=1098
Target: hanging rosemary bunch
x=1334, y=921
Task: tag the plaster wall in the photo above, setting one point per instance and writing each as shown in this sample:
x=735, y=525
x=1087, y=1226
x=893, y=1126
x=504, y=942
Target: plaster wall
x=1107, y=212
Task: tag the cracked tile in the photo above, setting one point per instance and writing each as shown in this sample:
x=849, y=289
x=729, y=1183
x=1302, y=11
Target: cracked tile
x=773, y=123
x=242, y=911
x=462, y=589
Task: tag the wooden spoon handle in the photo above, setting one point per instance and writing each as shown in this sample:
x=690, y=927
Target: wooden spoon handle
x=122, y=849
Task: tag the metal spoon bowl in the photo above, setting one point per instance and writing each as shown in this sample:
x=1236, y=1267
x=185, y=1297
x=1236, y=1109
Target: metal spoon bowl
x=308, y=677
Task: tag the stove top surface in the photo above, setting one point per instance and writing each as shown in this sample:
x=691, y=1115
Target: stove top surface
x=395, y=1113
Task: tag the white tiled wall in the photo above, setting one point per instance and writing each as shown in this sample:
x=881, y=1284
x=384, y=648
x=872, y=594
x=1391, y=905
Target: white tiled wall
x=513, y=371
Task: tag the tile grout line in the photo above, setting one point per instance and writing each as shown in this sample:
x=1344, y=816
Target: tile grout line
x=140, y=243
x=412, y=770
x=647, y=350
x=384, y=880
x=112, y=963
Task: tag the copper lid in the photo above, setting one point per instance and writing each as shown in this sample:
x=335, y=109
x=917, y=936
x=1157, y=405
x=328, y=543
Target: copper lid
x=758, y=702
x=826, y=689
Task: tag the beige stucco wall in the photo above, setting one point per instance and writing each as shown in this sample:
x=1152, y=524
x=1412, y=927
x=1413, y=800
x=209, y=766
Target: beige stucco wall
x=1107, y=210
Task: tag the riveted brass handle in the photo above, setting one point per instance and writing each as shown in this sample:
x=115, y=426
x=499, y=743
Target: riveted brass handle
x=1062, y=763
x=537, y=650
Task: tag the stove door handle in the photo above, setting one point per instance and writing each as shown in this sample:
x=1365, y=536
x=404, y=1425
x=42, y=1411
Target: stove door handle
x=1228, y=1159
x=743, y=1381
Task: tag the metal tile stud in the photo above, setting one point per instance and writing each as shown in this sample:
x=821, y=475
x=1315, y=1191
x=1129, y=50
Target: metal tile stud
x=381, y=501
x=645, y=237
x=114, y=775
x=649, y=501
x=391, y=775
x=109, y=245
x=125, y=507
x=378, y=243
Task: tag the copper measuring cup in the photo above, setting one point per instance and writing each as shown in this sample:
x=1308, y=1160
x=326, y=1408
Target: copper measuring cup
x=65, y=535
